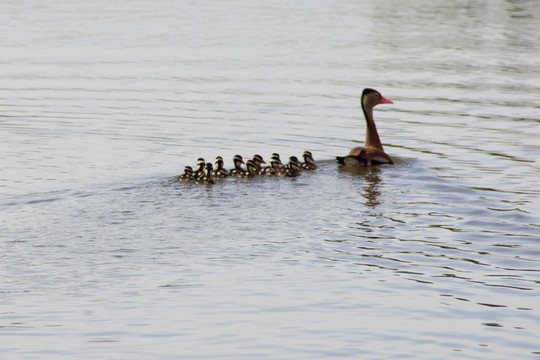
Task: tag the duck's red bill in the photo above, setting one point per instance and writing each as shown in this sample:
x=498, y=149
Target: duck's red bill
x=385, y=100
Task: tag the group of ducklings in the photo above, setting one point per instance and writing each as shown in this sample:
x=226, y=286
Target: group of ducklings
x=206, y=173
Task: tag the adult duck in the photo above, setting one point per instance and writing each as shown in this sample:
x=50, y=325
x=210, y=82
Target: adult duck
x=372, y=153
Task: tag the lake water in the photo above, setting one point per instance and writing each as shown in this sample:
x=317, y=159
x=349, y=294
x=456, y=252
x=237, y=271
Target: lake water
x=104, y=257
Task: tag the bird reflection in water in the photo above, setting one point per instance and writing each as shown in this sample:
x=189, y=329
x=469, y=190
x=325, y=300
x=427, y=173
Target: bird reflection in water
x=371, y=188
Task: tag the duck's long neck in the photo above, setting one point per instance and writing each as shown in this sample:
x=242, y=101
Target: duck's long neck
x=372, y=136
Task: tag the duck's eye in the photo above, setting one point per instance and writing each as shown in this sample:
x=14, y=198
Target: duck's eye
x=376, y=95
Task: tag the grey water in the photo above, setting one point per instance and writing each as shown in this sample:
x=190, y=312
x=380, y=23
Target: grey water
x=104, y=256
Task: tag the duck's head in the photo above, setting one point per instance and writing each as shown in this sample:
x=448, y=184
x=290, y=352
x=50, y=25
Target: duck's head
x=371, y=97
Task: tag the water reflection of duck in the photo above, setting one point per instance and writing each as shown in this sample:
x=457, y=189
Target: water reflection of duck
x=371, y=191
x=372, y=153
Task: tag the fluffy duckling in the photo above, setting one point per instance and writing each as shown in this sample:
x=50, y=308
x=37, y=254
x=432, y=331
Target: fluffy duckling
x=292, y=169
x=309, y=163
x=275, y=166
x=251, y=170
x=207, y=178
x=199, y=172
x=258, y=160
x=220, y=171
x=237, y=171
x=187, y=175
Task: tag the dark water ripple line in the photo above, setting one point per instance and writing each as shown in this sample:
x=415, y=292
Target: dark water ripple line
x=448, y=116
x=431, y=261
x=380, y=259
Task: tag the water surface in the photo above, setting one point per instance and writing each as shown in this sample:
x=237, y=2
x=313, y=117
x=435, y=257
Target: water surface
x=103, y=104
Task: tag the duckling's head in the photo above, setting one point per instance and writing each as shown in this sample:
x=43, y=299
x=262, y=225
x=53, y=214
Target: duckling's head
x=188, y=170
x=275, y=159
x=258, y=160
x=308, y=157
x=237, y=159
x=200, y=163
x=219, y=162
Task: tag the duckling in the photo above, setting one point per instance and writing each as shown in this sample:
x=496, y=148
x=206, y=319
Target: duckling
x=309, y=163
x=251, y=170
x=292, y=169
x=220, y=171
x=238, y=161
x=207, y=178
x=258, y=160
x=187, y=175
x=199, y=172
x=274, y=167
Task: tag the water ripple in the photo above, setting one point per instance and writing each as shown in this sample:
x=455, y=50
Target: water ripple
x=437, y=254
